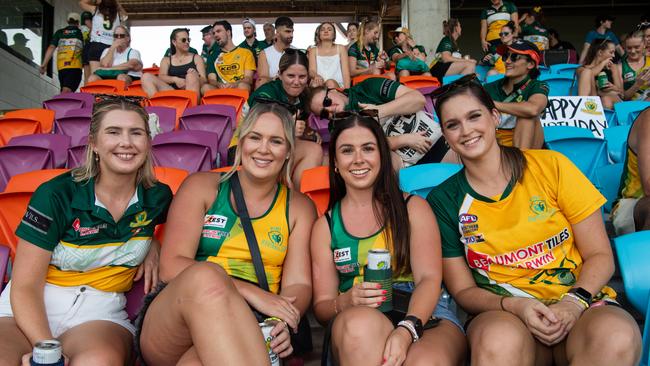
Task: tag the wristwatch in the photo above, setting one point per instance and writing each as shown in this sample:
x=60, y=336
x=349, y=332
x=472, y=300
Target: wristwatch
x=417, y=323
x=582, y=294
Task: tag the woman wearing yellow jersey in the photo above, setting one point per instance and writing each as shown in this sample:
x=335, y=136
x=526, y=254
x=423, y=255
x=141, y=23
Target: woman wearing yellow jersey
x=525, y=249
x=368, y=211
x=80, y=244
x=203, y=316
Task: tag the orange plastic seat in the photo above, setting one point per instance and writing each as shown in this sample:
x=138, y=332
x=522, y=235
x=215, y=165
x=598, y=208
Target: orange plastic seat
x=44, y=116
x=172, y=177
x=12, y=208
x=177, y=99
x=420, y=81
x=357, y=79
x=233, y=97
x=151, y=70
x=104, y=87
x=136, y=87
x=223, y=169
x=28, y=182
x=315, y=183
x=13, y=126
x=135, y=93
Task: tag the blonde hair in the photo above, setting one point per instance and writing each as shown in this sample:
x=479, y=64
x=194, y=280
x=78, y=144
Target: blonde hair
x=90, y=169
x=246, y=127
x=365, y=26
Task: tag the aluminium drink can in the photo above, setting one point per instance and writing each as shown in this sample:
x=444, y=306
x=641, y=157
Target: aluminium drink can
x=47, y=353
x=378, y=259
x=266, y=328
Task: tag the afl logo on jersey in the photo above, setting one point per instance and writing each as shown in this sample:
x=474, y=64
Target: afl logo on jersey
x=467, y=219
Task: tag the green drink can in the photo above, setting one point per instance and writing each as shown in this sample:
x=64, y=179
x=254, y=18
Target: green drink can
x=378, y=271
x=602, y=80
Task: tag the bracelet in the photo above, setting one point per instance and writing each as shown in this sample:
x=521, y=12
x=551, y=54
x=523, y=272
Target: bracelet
x=409, y=326
x=336, y=309
x=580, y=302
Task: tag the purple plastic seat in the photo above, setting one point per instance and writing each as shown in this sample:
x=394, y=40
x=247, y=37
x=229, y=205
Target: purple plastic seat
x=74, y=123
x=166, y=117
x=213, y=118
x=22, y=159
x=320, y=125
x=59, y=144
x=182, y=155
x=76, y=155
x=201, y=138
x=69, y=101
x=4, y=262
x=134, y=299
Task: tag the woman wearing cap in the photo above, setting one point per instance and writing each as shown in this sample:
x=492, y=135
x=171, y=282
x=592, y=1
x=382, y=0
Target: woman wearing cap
x=507, y=36
x=449, y=60
x=107, y=14
x=524, y=247
x=119, y=61
x=599, y=76
x=408, y=57
x=520, y=97
x=328, y=62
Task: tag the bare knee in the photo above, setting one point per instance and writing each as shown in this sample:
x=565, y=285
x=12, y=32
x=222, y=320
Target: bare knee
x=125, y=78
x=496, y=337
x=206, y=280
x=352, y=327
x=93, y=77
x=102, y=356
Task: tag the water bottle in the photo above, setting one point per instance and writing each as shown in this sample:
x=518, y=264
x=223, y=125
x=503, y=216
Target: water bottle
x=47, y=353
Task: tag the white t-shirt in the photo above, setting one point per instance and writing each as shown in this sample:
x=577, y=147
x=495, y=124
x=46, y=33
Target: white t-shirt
x=120, y=58
x=102, y=30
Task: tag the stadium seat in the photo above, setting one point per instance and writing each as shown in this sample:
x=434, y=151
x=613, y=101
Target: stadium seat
x=564, y=69
x=59, y=144
x=75, y=123
x=68, y=101
x=608, y=181
x=635, y=273
x=11, y=127
x=448, y=79
x=616, y=138
x=136, y=86
x=493, y=78
x=559, y=85
x=28, y=182
x=552, y=133
x=177, y=99
x=626, y=112
x=135, y=93
x=232, y=97
x=151, y=70
x=166, y=117
x=172, y=177
x=4, y=264
x=610, y=116
x=426, y=84
x=320, y=125
x=76, y=155
x=12, y=208
x=217, y=118
x=357, y=79
x=587, y=153
x=104, y=87
x=189, y=150
x=315, y=183
x=44, y=116
x=420, y=179
x=205, y=138
x=21, y=159
x=135, y=299
x=482, y=70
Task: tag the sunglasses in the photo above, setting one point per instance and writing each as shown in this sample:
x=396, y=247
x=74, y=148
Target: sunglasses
x=120, y=35
x=185, y=40
x=503, y=34
x=339, y=116
x=513, y=57
x=327, y=102
x=290, y=107
x=464, y=81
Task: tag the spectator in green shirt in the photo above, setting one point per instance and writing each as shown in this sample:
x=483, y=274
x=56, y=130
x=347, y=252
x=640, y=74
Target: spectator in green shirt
x=449, y=60
x=364, y=55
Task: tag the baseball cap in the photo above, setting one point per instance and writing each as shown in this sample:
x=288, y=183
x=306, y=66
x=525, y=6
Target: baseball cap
x=73, y=16
x=522, y=47
x=206, y=29
x=249, y=20
x=404, y=30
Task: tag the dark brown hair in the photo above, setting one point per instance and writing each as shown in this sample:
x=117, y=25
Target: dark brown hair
x=597, y=44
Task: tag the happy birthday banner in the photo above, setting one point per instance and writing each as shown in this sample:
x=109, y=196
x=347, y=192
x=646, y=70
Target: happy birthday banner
x=584, y=112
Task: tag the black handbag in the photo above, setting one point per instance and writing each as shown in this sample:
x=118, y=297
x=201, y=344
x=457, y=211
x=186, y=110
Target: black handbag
x=300, y=341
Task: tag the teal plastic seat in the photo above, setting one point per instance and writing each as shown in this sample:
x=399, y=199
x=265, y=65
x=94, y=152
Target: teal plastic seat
x=553, y=133
x=626, y=112
x=559, y=85
x=420, y=179
x=587, y=153
x=608, y=178
x=448, y=79
x=564, y=69
x=616, y=138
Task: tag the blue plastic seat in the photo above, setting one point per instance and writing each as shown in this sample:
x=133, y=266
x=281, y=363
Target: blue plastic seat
x=564, y=69
x=587, y=153
x=553, y=133
x=482, y=70
x=608, y=179
x=610, y=115
x=495, y=77
x=626, y=112
x=420, y=179
x=635, y=272
x=616, y=138
x=448, y=79
x=559, y=85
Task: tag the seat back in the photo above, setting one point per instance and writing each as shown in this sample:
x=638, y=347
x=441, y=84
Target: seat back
x=12, y=126
x=321, y=126
x=166, y=117
x=420, y=81
x=552, y=133
x=626, y=112
x=172, y=177
x=177, y=99
x=12, y=208
x=151, y=70
x=75, y=123
x=492, y=78
x=104, y=87
x=482, y=70
x=67, y=101
x=420, y=179
x=232, y=97
x=75, y=157
x=20, y=159
x=610, y=116
x=608, y=181
x=135, y=299
x=558, y=85
x=44, y=116
x=564, y=69
x=357, y=79
x=203, y=138
x=616, y=138
x=29, y=181
x=136, y=86
x=59, y=144
x=220, y=119
x=586, y=153
x=315, y=184
x=448, y=79
x=182, y=155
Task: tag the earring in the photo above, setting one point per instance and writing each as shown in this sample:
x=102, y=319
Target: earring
x=96, y=156
x=446, y=144
x=336, y=170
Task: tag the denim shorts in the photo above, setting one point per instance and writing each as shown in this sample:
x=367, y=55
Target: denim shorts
x=446, y=308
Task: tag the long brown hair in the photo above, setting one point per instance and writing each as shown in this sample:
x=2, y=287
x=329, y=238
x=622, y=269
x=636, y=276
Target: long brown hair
x=388, y=203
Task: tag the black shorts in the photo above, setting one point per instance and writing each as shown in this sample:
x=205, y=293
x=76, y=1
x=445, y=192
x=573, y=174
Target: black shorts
x=95, y=50
x=70, y=78
x=84, y=54
x=439, y=69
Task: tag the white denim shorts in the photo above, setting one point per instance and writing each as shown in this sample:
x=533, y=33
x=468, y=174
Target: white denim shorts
x=623, y=216
x=67, y=307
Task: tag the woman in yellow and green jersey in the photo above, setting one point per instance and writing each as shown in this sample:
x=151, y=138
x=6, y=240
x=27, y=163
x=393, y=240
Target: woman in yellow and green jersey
x=525, y=252
x=205, y=313
x=368, y=211
x=82, y=242
x=631, y=211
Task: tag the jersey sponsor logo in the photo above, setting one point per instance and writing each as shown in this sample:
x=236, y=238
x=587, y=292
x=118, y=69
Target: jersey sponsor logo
x=467, y=219
x=214, y=234
x=342, y=255
x=469, y=228
x=540, y=209
x=385, y=87
x=348, y=268
x=37, y=220
x=275, y=236
x=85, y=231
x=140, y=219
x=472, y=239
x=215, y=221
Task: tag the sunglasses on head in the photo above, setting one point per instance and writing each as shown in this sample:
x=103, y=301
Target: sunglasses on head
x=338, y=116
x=513, y=57
x=643, y=26
x=503, y=34
x=464, y=81
x=119, y=35
x=290, y=107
